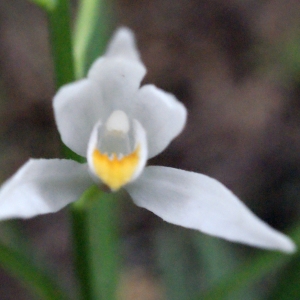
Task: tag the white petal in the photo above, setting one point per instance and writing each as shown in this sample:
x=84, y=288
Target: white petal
x=120, y=71
x=112, y=82
x=119, y=80
x=199, y=202
x=141, y=140
x=123, y=45
x=92, y=145
x=77, y=107
x=162, y=116
x=42, y=186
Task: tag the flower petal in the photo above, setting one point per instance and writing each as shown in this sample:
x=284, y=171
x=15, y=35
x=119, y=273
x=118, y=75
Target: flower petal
x=120, y=71
x=112, y=82
x=119, y=80
x=77, y=107
x=42, y=186
x=199, y=202
x=123, y=45
x=162, y=116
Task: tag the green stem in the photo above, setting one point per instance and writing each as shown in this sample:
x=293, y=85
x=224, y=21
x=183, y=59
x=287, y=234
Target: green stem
x=104, y=245
x=96, y=237
x=93, y=223
x=20, y=267
x=62, y=53
x=79, y=219
x=61, y=42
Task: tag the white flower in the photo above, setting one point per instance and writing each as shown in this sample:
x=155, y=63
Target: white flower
x=118, y=125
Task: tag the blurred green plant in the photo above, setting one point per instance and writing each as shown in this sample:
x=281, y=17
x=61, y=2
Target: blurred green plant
x=194, y=264
x=289, y=56
x=253, y=270
x=94, y=20
x=38, y=281
x=47, y=5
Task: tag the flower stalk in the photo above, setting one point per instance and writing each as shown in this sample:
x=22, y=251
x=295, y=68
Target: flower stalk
x=61, y=43
x=95, y=233
x=93, y=216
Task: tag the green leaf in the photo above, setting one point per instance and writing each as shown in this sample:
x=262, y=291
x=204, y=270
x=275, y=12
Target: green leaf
x=92, y=28
x=34, y=279
x=287, y=286
x=61, y=43
x=176, y=259
x=47, y=5
x=218, y=260
x=250, y=272
x=216, y=256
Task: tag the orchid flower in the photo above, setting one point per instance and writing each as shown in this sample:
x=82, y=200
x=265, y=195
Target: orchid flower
x=117, y=125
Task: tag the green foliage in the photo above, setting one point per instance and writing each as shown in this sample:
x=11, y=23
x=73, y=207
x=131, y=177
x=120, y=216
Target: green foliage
x=91, y=33
x=37, y=281
x=193, y=264
x=287, y=285
x=61, y=43
x=176, y=258
x=47, y=5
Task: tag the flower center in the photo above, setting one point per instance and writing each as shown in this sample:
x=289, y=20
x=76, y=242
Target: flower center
x=115, y=157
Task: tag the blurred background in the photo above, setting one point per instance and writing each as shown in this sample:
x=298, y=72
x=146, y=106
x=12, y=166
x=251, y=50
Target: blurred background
x=235, y=64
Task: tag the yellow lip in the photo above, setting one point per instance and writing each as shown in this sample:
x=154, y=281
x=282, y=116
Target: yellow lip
x=113, y=171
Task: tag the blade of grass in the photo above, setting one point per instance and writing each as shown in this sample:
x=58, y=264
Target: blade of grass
x=47, y=5
x=250, y=272
x=287, y=286
x=61, y=43
x=218, y=259
x=92, y=27
x=34, y=279
x=215, y=255
x=179, y=270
